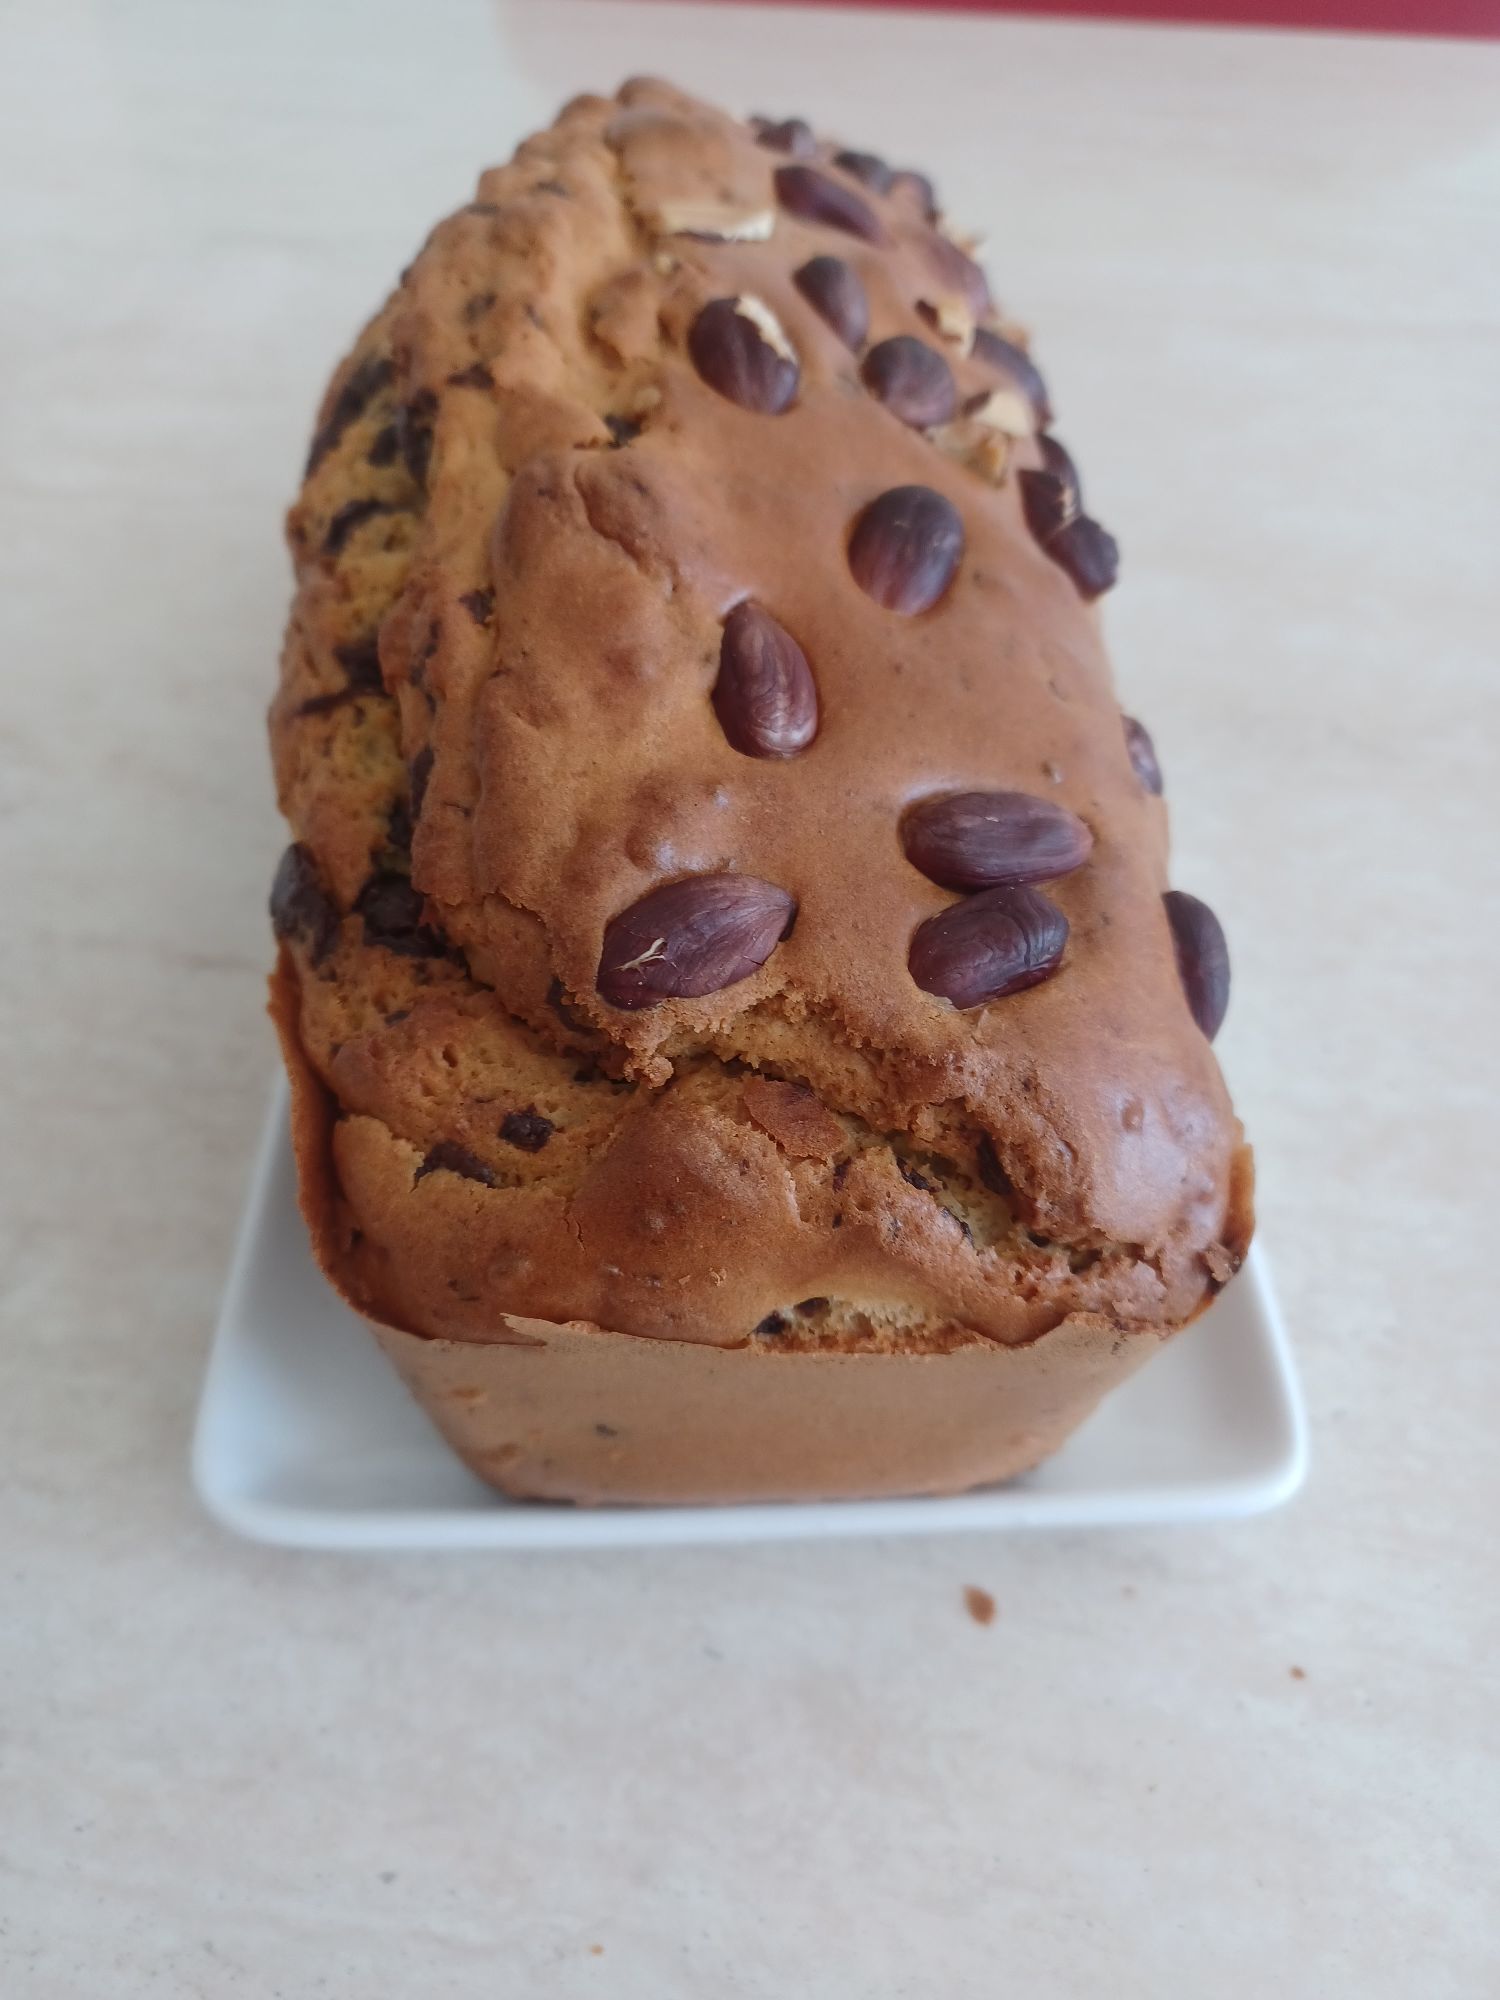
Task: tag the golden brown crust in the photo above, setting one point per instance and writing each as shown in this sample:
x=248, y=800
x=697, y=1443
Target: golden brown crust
x=526, y=518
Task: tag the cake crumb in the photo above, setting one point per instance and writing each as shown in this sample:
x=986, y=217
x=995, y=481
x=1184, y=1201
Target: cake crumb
x=596, y=1951
x=1298, y=1673
x=979, y=1604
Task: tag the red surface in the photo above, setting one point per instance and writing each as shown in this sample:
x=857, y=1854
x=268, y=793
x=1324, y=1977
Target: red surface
x=1474, y=18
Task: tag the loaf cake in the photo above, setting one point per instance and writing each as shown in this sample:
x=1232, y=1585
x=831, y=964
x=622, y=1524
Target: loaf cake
x=743, y=1044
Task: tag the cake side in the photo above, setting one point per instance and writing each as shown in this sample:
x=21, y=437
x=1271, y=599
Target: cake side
x=582, y=1413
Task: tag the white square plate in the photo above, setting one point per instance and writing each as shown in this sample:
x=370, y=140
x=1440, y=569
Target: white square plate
x=306, y=1435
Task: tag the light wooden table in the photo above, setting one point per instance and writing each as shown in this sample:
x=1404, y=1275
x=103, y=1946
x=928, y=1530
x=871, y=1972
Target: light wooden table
x=1265, y=274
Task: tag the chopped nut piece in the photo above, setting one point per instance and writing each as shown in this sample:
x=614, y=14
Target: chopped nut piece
x=970, y=241
x=1003, y=410
x=690, y=217
x=981, y=447
x=950, y=317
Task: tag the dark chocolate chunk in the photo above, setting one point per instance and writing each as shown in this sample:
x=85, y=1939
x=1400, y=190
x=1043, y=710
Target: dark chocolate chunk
x=991, y=1173
x=623, y=430
x=300, y=905
x=360, y=660
x=359, y=390
x=527, y=1129
x=448, y=1157
x=391, y=910
x=476, y=376
x=773, y=1323
x=414, y=431
x=385, y=447
x=479, y=604
x=398, y=827
x=557, y=1001
x=353, y=514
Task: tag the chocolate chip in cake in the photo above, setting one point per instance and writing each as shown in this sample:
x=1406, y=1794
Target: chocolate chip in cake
x=414, y=433
x=479, y=604
x=836, y=293
x=1202, y=958
x=979, y=840
x=361, y=388
x=764, y=697
x=810, y=1308
x=786, y=135
x=557, y=1001
x=906, y=548
x=476, y=376
x=623, y=430
x=527, y=1129
x=773, y=1323
x=866, y=167
x=818, y=198
x=398, y=828
x=353, y=514
x=914, y=1177
x=300, y=905
x=325, y=704
x=913, y=381
x=1143, y=754
x=360, y=660
x=385, y=447
x=996, y=352
x=739, y=348
x=993, y=944
x=448, y=1157
x=391, y=910
x=477, y=307
x=991, y=1174
x=691, y=937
